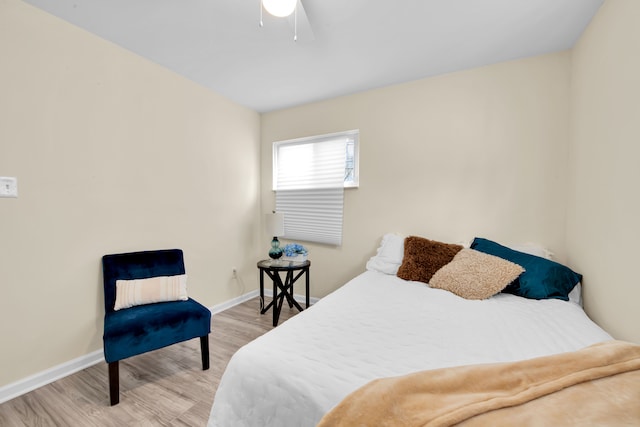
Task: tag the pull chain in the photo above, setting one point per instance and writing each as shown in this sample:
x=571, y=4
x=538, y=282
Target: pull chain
x=261, y=23
x=295, y=23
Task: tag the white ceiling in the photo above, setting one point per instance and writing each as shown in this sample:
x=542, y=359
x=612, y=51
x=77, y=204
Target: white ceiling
x=355, y=45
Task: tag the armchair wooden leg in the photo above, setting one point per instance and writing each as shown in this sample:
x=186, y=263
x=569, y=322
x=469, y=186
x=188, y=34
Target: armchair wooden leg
x=114, y=383
x=204, y=349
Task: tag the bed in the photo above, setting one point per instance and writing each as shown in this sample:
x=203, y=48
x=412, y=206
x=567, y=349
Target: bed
x=378, y=325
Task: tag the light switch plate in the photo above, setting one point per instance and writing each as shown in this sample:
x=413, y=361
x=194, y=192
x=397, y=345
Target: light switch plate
x=8, y=186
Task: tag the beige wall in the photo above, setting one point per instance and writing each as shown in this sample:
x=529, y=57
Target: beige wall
x=480, y=152
x=604, y=197
x=112, y=153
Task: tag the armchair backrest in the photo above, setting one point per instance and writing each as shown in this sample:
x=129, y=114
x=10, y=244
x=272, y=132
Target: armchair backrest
x=138, y=265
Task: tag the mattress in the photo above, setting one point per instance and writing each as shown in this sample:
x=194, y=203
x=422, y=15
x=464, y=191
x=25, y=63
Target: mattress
x=378, y=325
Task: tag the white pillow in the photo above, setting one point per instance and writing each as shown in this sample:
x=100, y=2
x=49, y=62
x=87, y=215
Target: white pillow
x=147, y=291
x=533, y=249
x=575, y=295
x=389, y=255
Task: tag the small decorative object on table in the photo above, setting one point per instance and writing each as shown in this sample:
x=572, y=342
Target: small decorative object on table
x=294, y=252
x=275, y=227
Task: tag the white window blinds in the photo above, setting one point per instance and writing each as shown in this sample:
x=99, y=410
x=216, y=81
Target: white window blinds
x=309, y=178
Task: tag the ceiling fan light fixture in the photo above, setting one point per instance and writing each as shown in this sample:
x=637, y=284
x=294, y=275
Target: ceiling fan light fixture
x=279, y=8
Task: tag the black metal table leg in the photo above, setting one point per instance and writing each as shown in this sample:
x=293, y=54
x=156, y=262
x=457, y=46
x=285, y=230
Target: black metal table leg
x=306, y=298
x=282, y=290
x=261, y=291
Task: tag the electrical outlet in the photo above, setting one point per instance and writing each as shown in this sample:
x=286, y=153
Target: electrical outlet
x=8, y=186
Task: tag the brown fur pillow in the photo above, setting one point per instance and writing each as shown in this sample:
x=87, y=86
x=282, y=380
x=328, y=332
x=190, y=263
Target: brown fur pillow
x=423, y=257
x=475, y=275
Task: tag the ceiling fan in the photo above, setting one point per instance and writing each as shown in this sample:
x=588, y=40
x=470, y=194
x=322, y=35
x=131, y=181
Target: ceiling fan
x=294, y=12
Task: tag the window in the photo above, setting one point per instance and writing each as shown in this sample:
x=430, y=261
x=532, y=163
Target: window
x=309, y=177
x=304, y=148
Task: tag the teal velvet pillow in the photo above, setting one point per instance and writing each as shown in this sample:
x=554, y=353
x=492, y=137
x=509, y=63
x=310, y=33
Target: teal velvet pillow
x=542, y=278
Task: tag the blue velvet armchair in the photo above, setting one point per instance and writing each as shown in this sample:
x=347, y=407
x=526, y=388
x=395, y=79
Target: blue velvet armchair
x=139, y=329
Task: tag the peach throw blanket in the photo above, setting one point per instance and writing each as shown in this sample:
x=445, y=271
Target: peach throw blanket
x=598, y=385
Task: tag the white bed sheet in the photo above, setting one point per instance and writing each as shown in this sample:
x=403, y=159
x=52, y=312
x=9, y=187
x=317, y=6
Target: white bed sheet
x=376, y=326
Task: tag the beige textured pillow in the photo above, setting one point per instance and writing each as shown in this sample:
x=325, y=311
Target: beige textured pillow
x=475, y=275
x=146, y=291
x=423, y=257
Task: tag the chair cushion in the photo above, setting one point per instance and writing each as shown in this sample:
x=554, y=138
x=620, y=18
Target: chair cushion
x=149, y=327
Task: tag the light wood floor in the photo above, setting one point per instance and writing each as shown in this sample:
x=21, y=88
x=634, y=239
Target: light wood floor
x=166, y=387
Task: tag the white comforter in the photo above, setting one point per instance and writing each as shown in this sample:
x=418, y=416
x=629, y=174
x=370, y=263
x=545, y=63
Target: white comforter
x=376, y=326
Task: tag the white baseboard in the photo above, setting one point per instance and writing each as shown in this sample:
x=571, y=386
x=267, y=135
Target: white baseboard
x=233, y=302
x=30, y=383
x=35, y=381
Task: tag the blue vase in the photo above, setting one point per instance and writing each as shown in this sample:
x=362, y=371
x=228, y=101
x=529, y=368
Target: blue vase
x=275, y=252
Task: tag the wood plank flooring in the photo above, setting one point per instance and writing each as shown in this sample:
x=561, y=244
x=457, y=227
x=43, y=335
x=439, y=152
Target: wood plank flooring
x=166, y=387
